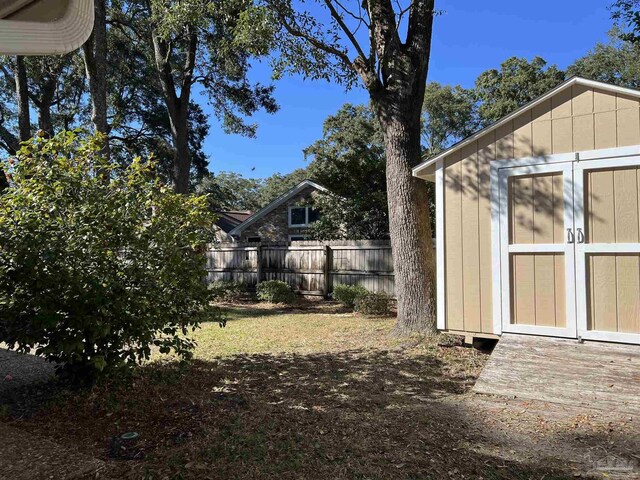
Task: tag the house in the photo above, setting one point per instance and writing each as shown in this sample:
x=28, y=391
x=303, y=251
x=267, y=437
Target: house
x=285, y=219
x=537, y=222
x=227, y=221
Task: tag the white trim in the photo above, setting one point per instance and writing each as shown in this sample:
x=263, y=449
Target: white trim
x=609, y=247
x=496, y=291
x=306, y=216
x=583, y=249
x=68, y=33
x=567, y=84
x=536, y=248
x=506, y=249
x=276, y=203
x=540, y=330
x=441, y=305
x=633, y=338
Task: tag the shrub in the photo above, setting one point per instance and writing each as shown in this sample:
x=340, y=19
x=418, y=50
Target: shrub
x=228, y=290
x=275, y=291
x=373, y=303
x=94, y=273
x=347, y=294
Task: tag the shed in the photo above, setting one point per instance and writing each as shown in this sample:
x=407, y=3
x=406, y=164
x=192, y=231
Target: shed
x=538, y=219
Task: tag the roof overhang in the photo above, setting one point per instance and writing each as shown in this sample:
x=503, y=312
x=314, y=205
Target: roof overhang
x=276, y=203
x=44, y=27
x=426, y=169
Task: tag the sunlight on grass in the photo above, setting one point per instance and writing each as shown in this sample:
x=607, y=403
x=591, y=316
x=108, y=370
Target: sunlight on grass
x=251, y=330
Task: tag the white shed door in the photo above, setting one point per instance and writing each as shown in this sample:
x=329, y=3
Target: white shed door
x=537, y=250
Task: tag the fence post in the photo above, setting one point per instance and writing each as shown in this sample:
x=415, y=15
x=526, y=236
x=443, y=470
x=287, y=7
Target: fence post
x=259, y=264
x=327, y=270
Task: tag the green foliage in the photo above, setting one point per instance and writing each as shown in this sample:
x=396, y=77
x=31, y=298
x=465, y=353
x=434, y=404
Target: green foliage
x=230, y=191
x=448, y=114
x=348, y=294
x=228, y=290
x=98, y=263
x=277, y=184
x=373, y=303
x=518, y=81
x=616, y=62
x=626, y=13
x=275, y=291
x=349, y=160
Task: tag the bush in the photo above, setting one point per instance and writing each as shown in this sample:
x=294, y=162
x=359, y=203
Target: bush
x=373, y=304
x=347, y=294
x=275, y=291
x=93, y=273
x=228, y=290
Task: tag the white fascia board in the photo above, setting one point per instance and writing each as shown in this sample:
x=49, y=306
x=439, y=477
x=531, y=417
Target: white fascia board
x=566, y=84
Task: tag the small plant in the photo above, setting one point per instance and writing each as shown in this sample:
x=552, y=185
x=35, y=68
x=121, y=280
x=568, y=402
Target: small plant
x=275, y=291
x=228, y=290
x=348, y=294
x=373, y=303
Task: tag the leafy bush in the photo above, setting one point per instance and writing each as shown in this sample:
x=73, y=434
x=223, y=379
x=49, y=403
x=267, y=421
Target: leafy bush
x=228, y=290
x=347, y=294
x=98, y=262
x=275, y=291
x=373, y=303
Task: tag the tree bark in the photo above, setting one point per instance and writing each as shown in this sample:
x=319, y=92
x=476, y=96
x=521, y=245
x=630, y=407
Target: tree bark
x=95, y=61
x=177, y=106
x=22, y=94
x=44, y=106
x=409, y=225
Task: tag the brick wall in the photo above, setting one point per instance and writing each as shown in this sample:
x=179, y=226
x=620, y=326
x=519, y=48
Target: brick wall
x=274, y=226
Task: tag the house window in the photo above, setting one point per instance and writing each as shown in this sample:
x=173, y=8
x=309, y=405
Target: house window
x=295, y=238
x=253, y=239
x=302, y=216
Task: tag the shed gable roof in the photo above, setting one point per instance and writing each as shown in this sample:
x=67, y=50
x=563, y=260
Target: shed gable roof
x=427, y=167
x=276, y=203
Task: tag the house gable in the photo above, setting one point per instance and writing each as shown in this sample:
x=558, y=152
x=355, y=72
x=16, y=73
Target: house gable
x=578, y=117
x=271, y=223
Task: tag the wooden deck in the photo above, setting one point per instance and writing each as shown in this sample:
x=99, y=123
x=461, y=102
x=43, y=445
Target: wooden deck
x=603, y=376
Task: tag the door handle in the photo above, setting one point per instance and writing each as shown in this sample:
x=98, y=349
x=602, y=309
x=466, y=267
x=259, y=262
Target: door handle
x=570, y=237
x=580, y=236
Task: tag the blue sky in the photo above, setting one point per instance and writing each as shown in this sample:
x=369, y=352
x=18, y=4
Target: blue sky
x=469, y=38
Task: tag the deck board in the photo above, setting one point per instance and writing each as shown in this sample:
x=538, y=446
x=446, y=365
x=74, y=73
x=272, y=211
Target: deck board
x=603, y=376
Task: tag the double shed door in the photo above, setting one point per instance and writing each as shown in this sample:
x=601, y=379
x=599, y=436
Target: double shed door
x=570, y=249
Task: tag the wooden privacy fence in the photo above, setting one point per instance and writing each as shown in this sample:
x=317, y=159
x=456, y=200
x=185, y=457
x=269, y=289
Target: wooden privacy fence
x=310, y=267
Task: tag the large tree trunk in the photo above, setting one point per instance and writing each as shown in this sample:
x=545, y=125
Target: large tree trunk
x=44, y=106
x=182, y=155
x=95, y=61
x=22, y=94
x=409, y=224
x=177, y=106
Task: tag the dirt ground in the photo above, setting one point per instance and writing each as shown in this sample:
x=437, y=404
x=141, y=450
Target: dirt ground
x=391, y=409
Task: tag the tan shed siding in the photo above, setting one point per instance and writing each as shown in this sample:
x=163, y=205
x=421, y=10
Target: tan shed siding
x=614, y=293
x=536, y=208
x=577, y=119
x=612, y=205
x=538, y=290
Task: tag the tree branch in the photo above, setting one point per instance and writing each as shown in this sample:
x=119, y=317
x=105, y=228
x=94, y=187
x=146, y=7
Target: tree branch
x=338, y=18
x=296, y=32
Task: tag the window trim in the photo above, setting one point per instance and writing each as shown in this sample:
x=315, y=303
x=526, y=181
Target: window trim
x=306, y=216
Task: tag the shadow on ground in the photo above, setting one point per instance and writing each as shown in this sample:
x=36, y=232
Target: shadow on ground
x=354, y=414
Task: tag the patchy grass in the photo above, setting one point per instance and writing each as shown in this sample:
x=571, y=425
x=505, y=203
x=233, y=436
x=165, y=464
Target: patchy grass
x=295, y=393
x=272, y=329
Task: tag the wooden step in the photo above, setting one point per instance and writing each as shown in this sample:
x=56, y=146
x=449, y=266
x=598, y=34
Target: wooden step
x=599, y=375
